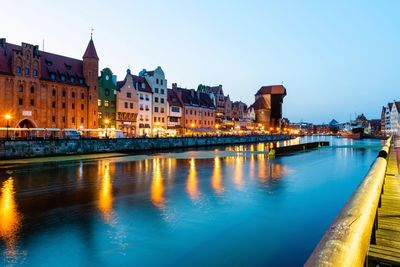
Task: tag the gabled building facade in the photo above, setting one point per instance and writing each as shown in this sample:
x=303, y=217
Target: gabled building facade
x=46, y=90
x=127, y=106
x=144, y=124
x=158, y=84
x=107, y=102
x=175, y=113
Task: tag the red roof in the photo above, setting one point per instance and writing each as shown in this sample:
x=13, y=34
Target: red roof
x=90, y=51
x=272, y=90
x=173, y=99
x=259, y=104
x=50, y=63
x=120, y=84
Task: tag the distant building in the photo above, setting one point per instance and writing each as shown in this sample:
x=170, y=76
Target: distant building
x=268, y=106
x=199, y=110
x=222, y=103
x=158, y=83
x=239, y=110
x=45, y=90
x=107, y=99
x=374, y=127
x=144, y=125
x=127, y=106
x=175, y=113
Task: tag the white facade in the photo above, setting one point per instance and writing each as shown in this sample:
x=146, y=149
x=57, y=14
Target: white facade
x=394, y=120
x=158, y=83
x=144, y=123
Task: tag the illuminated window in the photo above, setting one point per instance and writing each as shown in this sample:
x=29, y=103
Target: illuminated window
x=99, y=103
x=106, y=103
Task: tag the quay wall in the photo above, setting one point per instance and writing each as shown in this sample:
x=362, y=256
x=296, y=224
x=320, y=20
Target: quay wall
x=45, y=148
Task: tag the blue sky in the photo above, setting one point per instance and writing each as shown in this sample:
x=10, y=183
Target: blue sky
x=336, y=58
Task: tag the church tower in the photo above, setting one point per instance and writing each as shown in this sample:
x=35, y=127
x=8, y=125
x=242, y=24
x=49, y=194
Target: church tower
x=91, y=73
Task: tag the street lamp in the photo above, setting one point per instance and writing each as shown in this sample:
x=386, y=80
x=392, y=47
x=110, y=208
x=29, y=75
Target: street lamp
x=8, y=117
x=106, y=121
x=192, y=129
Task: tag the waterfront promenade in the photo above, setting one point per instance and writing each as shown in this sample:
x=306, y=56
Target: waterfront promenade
x=47, y=148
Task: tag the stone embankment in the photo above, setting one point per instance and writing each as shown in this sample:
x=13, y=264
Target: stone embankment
x=47, y=148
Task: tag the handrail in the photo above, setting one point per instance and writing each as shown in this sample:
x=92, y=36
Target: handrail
x=346, y=241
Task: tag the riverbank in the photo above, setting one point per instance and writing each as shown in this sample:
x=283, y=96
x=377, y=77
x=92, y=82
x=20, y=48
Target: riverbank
x=48, y=148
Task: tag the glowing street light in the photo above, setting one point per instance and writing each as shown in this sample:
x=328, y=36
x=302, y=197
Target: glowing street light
x=106, y=121
x=8, y=117
x=158, y=128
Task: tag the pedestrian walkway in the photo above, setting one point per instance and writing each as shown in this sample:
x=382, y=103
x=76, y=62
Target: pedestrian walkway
x=387, y=246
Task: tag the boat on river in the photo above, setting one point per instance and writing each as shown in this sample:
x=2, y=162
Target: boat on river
x=356, y=133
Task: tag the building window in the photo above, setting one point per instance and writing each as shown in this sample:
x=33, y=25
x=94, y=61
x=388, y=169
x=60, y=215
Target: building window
x=82, y=120
x=162, y=119
x=186, y=121
x=162, y=100
x=27, y=57
x=141, y=106
x=195, y=112
x=113, y=116
x=63, y=105
x=143, y=86
x=156, y=99
x=81, y=81
x=131, y=105
x=63, y=93
x=126, y=104
x=20, y=101
x=162, y=91
x=156, y=90
x=32, y=90
x=32, y=102
x=107, y=92
x=53, y=118
x=186, y=111
x=26, y=71
x=156, y=81
x=63, y=119
x=18, y=69
x=99, y=103
x=52, y=76
x=82, y=107
x=53, y=92
x=62, y=78
x=162, y=110
x=155, y=109
x=113, y=104
x=175, y=109
x=73, y=120
x=53, y=104
x=191, y=112
x=106, y=103
x=82, y=96
x=147, y=107
x=128, y=95
x=161, y=81
x=100, y=115
x=90, y=74
x=21, y=88
x=72, y=79
x=73, y=94
x=35, y=73
x=73, y=105
x=147, y=98
x=141, y=96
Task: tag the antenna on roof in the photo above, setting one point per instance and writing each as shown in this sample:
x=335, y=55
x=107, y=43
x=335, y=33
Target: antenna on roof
x=91, y=33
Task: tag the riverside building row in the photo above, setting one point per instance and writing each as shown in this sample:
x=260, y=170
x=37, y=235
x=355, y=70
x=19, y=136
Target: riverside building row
x=41, y=90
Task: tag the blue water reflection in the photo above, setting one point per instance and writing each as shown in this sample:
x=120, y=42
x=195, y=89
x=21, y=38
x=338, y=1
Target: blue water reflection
x=221, y=206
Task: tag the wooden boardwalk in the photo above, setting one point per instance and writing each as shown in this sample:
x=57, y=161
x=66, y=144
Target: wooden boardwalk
x=387, y=247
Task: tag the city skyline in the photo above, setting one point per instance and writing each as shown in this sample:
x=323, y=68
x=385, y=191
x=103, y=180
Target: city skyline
x=334, y=60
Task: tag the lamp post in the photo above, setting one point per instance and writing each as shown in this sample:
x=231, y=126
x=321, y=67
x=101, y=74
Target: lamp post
x=106, y=121
x=192, y=129
x=8, y=117
x=217, y=126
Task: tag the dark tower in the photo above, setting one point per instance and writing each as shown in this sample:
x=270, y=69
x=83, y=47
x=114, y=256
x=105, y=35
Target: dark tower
x=90, y=73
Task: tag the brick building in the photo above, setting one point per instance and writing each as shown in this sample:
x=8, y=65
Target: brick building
x=41, y=89
x=199, y=110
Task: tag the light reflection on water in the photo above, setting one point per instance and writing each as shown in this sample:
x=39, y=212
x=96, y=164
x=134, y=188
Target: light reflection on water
x=180, y=200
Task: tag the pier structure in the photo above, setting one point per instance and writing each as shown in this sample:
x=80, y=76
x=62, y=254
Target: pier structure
x=367, y=230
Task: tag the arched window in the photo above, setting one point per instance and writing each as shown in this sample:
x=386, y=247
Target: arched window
x=32, y=90
x=54, y=92
x=21, y=88
x=107, y=92
x=83, y=96
x=73, y=94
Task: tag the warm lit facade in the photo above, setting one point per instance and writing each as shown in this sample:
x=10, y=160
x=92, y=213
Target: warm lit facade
x=41, y=89
x=239, y=111
x=199, y=110
x=158, y=83
x=127, y=106
x=144, y=125
x=175, y=113
x=107, y=102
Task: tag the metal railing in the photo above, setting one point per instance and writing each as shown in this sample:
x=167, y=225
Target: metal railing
x=346, y=241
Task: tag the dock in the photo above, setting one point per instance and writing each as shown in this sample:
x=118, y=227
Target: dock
x=299, y=147
x=385, y=241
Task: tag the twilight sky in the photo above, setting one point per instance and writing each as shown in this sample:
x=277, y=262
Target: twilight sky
x=335, y=59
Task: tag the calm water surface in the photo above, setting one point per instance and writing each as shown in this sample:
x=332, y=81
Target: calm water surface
x=218, y=206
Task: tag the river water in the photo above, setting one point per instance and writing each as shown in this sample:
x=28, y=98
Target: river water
x=209, y=207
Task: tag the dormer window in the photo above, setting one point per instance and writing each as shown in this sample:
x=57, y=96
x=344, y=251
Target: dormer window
x=67, y=66
x=72, y=79
x=156, y=81
x=143, y=85
x=62, y=78
x=81, y=81
x=49, y=62
x=26, y=71
x=52, y=76
x=27, y=57
x=35, y=73
x=18, y=69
